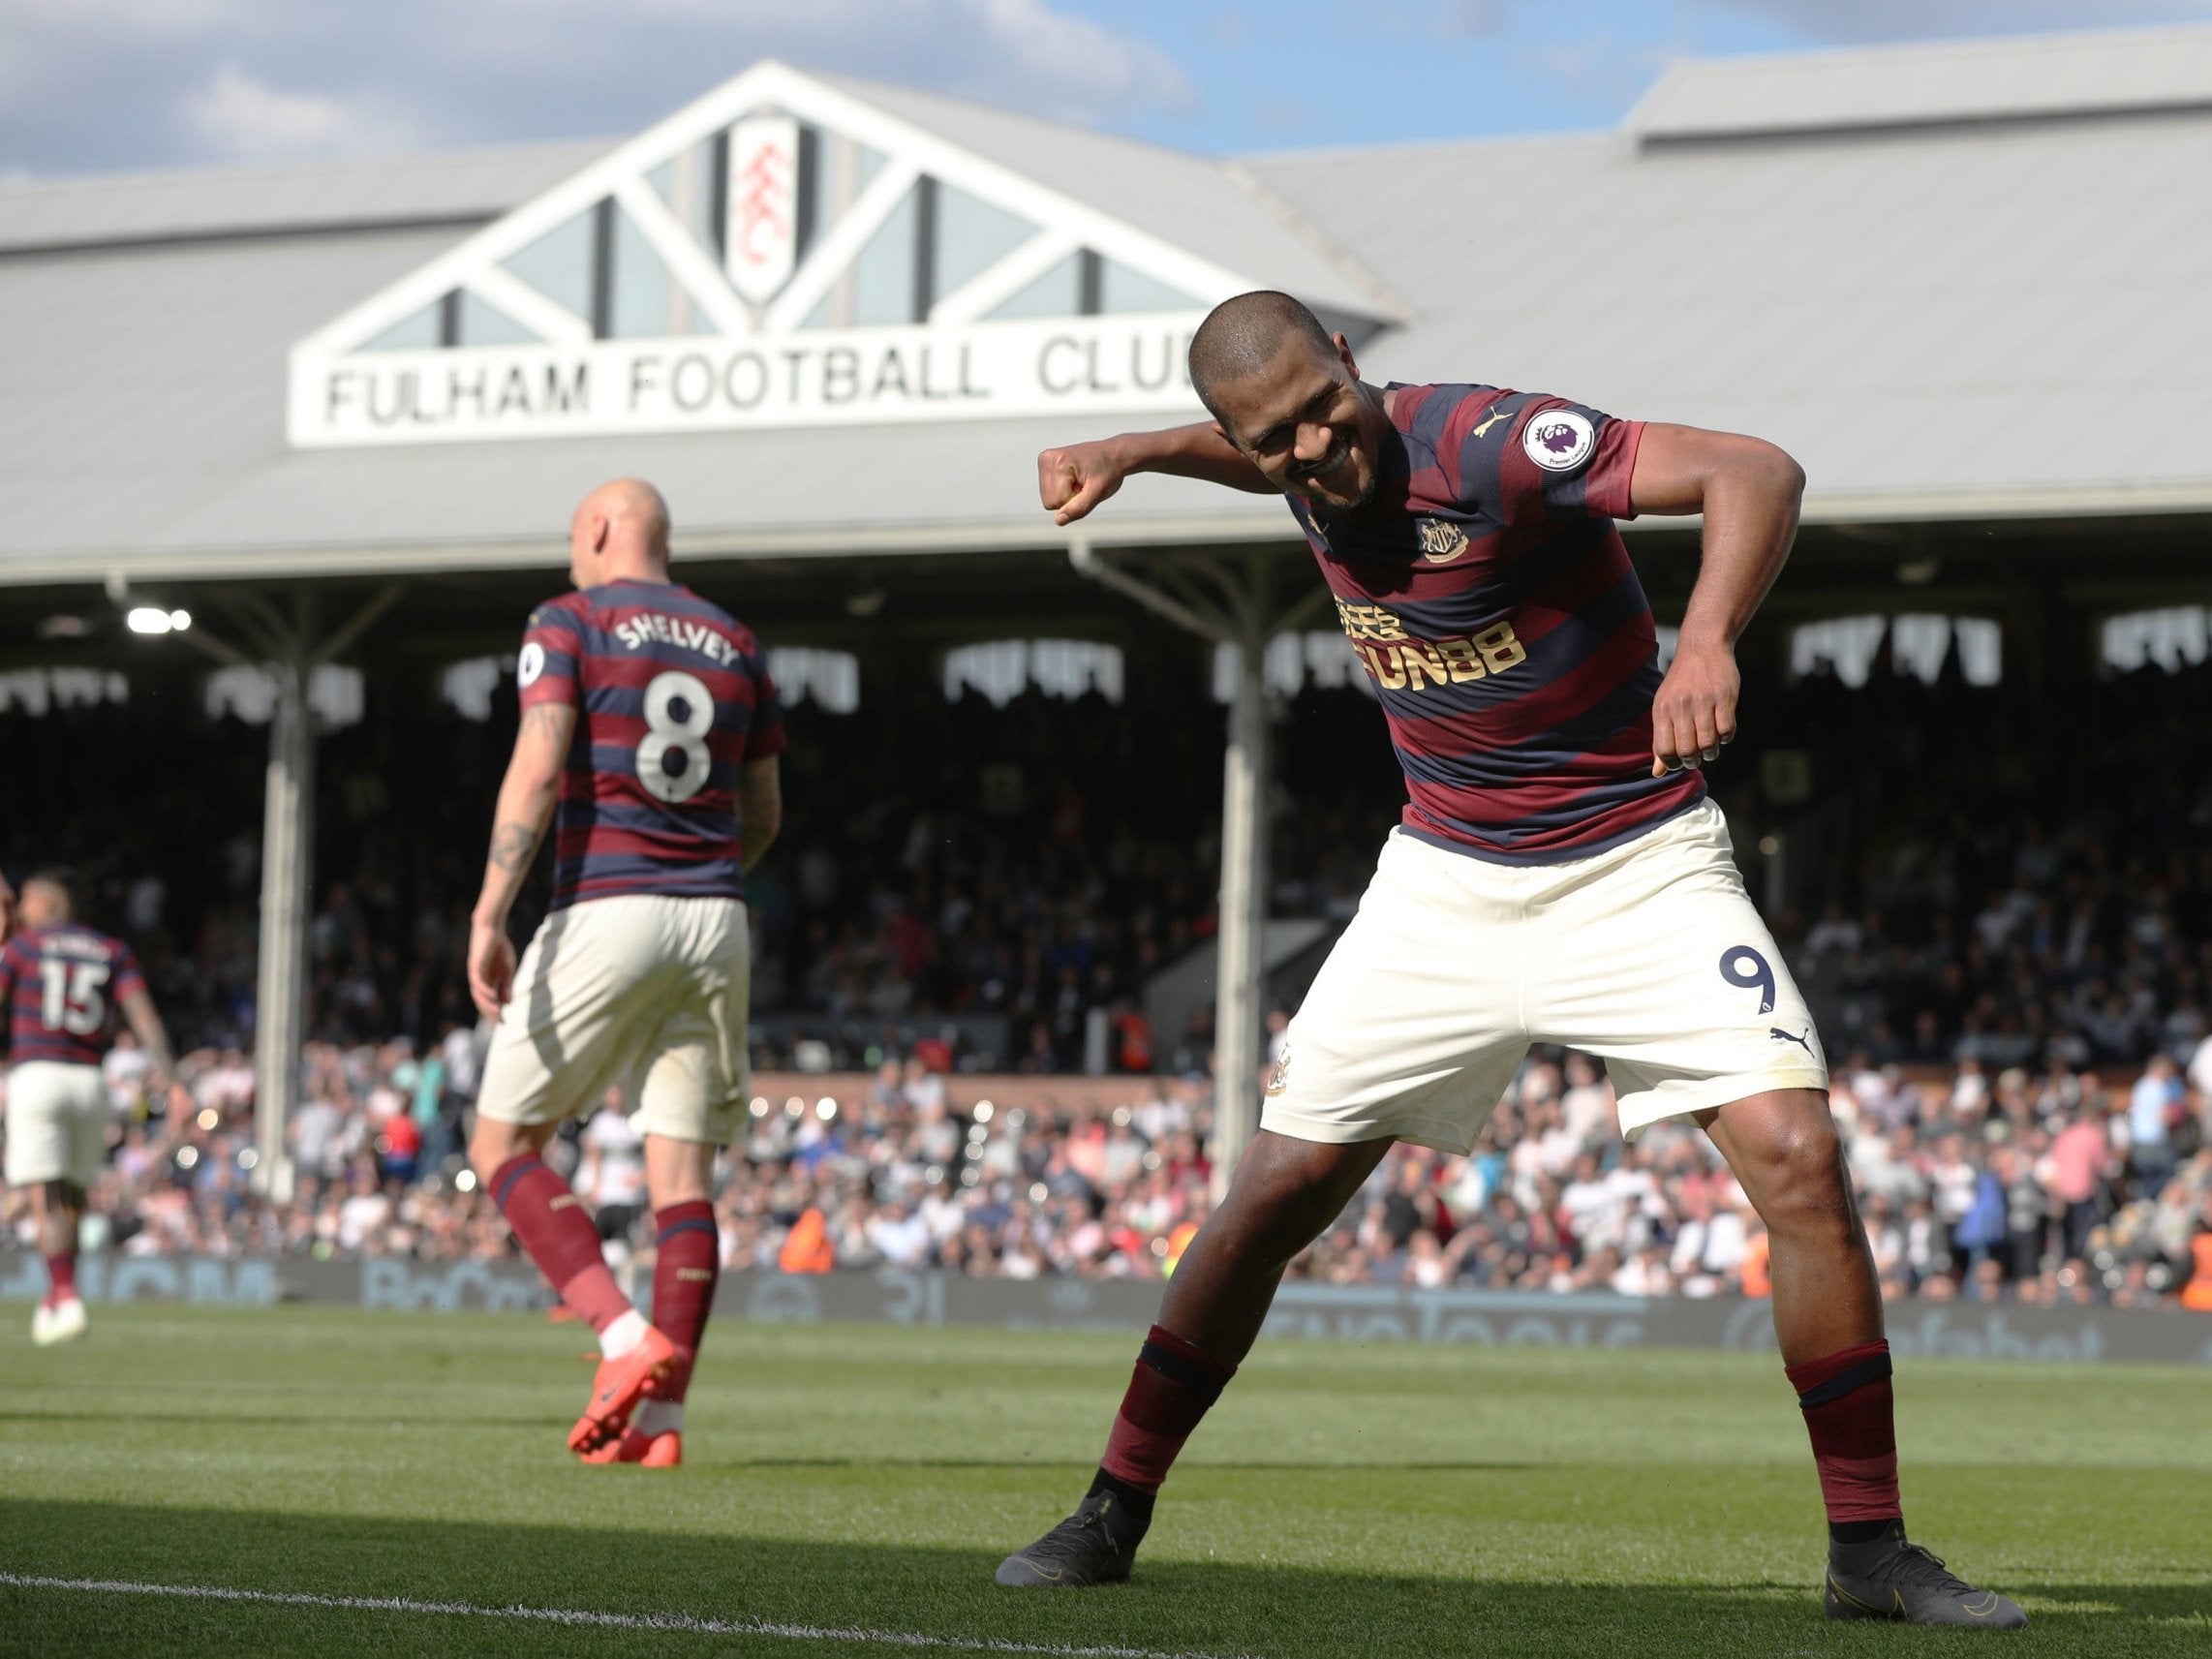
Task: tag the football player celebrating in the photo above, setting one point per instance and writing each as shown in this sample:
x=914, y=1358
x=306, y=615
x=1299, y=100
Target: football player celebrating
x=1559, y=877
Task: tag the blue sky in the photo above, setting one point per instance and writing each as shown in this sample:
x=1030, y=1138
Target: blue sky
x=105, y=85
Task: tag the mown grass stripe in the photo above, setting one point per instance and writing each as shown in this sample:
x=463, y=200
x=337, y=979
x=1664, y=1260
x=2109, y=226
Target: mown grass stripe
x=684, y=1623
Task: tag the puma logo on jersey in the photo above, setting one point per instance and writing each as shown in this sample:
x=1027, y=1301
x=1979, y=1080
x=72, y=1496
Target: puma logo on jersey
x=1489, y=420
x=639, y=632
x=1781, y=1036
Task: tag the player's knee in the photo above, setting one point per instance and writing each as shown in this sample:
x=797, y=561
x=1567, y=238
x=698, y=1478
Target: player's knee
x=491, y=1143
x=1798, y=1173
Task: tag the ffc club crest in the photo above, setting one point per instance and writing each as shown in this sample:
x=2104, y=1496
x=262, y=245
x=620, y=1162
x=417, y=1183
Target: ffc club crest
x=1441, y=541
x=763, y=205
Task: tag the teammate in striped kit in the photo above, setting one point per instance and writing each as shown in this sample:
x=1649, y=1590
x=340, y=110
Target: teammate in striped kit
x=650, y=714
x=59, y=982
x=1558, y=877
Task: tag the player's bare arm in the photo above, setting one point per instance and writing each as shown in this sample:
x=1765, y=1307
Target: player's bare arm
x=1748, y=491
x=153, y=1036
x=760, y=807
x=525, y=806
x=1074, y=479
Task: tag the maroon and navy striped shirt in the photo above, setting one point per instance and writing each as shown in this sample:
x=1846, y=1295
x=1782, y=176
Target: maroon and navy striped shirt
x=673, y=696
x=1488, y=595
x=58, y=984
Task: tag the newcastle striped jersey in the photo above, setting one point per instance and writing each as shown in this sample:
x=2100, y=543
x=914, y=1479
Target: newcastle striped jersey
x=58, y=984
x=1488, y=595
x=673, y=696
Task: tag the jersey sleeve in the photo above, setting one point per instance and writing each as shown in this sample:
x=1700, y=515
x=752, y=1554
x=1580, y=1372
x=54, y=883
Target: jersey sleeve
x=125, y=973
x=1546, y=458
x=548, y=668
x=765, y=736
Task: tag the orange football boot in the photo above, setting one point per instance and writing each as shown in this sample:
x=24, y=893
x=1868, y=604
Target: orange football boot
x=618, y=1387
x=664, y=1451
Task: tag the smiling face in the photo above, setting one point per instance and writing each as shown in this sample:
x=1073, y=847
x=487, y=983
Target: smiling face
x=1307, y=422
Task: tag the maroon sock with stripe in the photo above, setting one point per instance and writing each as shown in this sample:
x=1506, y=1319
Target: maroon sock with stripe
x=686, y=1269
x=552, y=1226
x=1848, y=1410
x=61, y=1279
x=1174, y=1384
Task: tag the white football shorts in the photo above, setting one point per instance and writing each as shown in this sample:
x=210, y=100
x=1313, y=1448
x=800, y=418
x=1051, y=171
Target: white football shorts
x=57, y=1123
x=1648, y=956
x=640, y=989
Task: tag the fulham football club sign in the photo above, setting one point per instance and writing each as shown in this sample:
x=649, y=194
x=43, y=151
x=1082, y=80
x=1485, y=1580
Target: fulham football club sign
x=783, y=252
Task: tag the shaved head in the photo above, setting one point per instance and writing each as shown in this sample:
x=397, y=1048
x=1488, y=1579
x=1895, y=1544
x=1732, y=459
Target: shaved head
x=1241, y=336
x=1288, y=394
x=620, y=532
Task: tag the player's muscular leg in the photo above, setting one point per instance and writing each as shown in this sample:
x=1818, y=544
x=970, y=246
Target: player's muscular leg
x=678, y=1172
x=1784, y=1149
x=55, y=1205
x=1284, y=1193
x=491, y=1143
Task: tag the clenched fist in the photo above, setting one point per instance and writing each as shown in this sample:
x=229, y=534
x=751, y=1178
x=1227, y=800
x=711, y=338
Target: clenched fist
x=1076, y=478
x=1695, y=710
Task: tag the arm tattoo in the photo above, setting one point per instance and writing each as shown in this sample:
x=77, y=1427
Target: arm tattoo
x=514, y=845
x=550, y=715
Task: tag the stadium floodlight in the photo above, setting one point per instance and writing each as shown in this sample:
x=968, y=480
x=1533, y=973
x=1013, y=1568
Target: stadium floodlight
x=152, y=619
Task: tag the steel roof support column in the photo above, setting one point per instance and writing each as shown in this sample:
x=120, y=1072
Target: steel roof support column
x=290, y=654
x=1245, y=618
x=1242, y=983
x=288, y=840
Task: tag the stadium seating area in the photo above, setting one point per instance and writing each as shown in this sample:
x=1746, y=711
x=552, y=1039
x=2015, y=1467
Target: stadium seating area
x=2054, y=1186
x=1040, y=859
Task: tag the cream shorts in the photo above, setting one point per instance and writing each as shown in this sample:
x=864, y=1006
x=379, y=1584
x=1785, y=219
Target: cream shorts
x=1648, y=956
x=642, y=989
x=57, y=1123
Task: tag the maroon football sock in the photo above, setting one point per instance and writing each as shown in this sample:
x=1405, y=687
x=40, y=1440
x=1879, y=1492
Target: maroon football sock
x=1174, y=1384
x=552, y=1226
x=61, y=1278
x=1848, y=1405
x=685, y=1271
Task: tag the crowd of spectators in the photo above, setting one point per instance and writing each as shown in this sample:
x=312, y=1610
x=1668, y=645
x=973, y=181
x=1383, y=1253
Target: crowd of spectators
x=1017, y=867
x=2039, y=1188
x=1950, y=917
x=1008, y=868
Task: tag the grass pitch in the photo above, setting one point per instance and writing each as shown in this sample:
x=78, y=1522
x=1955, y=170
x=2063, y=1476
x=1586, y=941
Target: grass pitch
x=857, y=1486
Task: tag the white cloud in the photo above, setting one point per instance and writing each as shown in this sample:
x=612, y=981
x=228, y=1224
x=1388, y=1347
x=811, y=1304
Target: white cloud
x=1475, y=17
x=109, y=83
x=237, y=119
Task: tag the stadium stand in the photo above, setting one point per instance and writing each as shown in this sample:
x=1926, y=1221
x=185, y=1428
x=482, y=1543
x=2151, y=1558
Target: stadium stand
x=2014, y=986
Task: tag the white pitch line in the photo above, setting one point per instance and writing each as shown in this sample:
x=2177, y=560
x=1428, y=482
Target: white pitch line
x=682, y=1622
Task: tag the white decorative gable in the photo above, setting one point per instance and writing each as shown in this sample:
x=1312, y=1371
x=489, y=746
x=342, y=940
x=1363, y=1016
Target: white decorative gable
x=781, y=253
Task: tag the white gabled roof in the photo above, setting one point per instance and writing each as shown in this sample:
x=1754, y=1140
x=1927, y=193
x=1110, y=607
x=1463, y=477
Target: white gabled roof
x=1217, y=210
x=2020, y=77
x=1941, y=316
x=463, y=188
